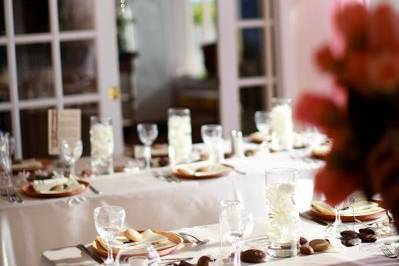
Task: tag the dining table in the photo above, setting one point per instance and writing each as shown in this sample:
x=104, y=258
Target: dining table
x=151, y=199
x=365, y=254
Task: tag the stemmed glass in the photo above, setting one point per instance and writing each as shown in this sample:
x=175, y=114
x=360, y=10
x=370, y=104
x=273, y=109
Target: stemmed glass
x=71, y=151
x=212, y=137
x=262, y=122
x=109, y=222
x=337, y=226
x=147, y=134
x=236, y=224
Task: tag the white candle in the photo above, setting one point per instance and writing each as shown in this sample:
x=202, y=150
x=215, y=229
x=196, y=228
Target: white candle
x=283, y=126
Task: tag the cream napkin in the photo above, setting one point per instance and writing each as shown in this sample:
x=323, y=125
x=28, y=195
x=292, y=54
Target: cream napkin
x=44, y=186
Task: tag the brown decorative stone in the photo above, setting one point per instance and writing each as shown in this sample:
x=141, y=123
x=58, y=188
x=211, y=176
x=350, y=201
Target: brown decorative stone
x=204, y=261
x=351, y=242
x=302, y=241
x=253, y=256
x=319, y=245
x=368, y=230
x=367, y=238
x=349, y=234
x=306, y=250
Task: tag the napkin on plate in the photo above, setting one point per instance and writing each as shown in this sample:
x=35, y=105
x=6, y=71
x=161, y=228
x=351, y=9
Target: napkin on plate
x=45, y=186
x=201, y=169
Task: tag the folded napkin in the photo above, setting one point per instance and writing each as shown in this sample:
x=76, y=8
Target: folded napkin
x=54, y=185
x=148, y=238
x=202, y=169
x=361, y=207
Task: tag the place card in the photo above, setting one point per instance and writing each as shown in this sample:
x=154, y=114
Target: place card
x=63, y=124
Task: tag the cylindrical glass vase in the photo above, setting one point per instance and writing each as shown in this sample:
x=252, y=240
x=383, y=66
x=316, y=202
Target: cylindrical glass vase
x=179, y=136
x=282, y=123
x=102, y=145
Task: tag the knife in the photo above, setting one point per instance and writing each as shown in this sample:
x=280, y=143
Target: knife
x=90, y=253
x=313, y=219
x=94, y=189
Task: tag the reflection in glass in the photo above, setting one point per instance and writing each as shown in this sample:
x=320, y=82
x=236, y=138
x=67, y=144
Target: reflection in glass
x=34, y=132
x=79, y=67
x=251, y=100
x=34, y=71
x=251, y=56
x=251, y=9
x=4, y=84
x=88, y=110
x=2, y=18
x=5, y=122
x=76, y=14
x=31, y=16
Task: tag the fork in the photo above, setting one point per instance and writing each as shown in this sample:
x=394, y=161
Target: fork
x=186, y=237
x=389, y=253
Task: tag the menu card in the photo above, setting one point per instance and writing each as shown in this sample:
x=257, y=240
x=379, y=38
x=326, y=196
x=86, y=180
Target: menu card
x=63, y=125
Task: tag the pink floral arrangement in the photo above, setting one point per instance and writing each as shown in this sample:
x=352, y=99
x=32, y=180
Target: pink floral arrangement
x=364, y=123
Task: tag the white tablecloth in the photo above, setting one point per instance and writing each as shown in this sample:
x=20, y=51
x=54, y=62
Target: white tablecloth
x=30, y=228
x=363, y=255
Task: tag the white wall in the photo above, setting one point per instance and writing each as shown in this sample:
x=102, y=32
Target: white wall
x=305, y=25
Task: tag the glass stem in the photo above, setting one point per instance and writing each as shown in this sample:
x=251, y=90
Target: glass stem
x=72, y=169
x=147, y=157
x=237, y=253
x=110, y=259
x=337, y=216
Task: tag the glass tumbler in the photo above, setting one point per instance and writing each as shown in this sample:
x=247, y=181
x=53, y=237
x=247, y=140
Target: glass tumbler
x=179, y=135
x=102, y=146
x=283, y=214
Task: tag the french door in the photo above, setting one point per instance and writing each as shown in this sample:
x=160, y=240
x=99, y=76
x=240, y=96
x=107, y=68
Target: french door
x=247, y=60
x=56, y=54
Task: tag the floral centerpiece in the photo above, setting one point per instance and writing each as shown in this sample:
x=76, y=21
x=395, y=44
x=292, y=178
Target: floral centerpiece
x=361, y=115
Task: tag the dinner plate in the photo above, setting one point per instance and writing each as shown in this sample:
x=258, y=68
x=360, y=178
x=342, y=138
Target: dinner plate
x=188, y=171
x=327, y=216
x=173, y=237
x=29, y=191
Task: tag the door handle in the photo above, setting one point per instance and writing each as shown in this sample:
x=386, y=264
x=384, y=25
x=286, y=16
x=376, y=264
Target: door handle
x=114, y=93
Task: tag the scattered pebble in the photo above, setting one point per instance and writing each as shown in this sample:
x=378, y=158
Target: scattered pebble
x=367, y=238
x=351, y=242
x=319, y=245
x=349, y=234
x=306, y=250
x=302, y=241
x=253, y=256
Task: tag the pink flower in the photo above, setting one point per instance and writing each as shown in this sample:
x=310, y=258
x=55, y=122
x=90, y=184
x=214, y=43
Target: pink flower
x=324, y=59
x=384, y=26
x=355, y=70
x=383, y=72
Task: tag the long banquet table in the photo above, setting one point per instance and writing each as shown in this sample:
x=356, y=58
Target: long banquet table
x=363, y=255
x=37, y=225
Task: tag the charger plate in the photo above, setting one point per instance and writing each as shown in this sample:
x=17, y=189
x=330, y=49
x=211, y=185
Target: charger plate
x=182, y=171
x=29, y=191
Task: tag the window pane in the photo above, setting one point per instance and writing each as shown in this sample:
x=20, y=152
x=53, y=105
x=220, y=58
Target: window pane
x=251, y=9
x=5, y=121
x=35, y=73
x=2, y=18
x=76, y=14
x=87, y=110
x=79, y=72
x=251, y=54
x=34, y=132
x=31, y=16
x=4, y=84
x=251, y=100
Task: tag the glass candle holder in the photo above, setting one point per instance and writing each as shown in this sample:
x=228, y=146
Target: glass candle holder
x=282, y=124
x=179, y=136
x=283, y=218
x=102, y=146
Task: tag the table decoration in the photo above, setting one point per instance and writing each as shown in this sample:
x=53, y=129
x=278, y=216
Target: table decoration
x=179, y=135
x=361, y=113
x=282, y=124
x=202, y=170
x=102, y=145
x=283, y=214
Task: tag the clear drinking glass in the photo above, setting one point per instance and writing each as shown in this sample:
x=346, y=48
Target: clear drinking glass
x=5, y=163
x=71, y=151
x=147, y=134
x=109, y=222
x=262, y=123
x=282, y=123
x=102, y=146
x=179, y=135
x=152, y=257
x=212, y=137
x=236, y=224
x=283, y=215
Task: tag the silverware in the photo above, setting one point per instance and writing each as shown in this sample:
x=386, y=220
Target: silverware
x=90, y=253
x=193, y=239
x=96, y=191
x=389, y=253
x=234, y=169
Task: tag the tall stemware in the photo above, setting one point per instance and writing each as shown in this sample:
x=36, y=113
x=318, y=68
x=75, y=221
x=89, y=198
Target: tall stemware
x=71, y=151
x=147, y=132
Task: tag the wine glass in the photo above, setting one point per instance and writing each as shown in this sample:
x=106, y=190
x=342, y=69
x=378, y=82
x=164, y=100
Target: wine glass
x=262, y=122
x=71, y=152
x=212, y=137
x=109, y=221
x=338, y=226
x=236, y=224
x=147, y=132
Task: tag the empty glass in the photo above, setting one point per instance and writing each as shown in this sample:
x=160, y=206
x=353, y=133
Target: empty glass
x=262, y=122
x=283, y=215
x=235, y=224
x=212, y=137
x=152, y=257
x=71, y=151
x=109, y=222
x=147, y=134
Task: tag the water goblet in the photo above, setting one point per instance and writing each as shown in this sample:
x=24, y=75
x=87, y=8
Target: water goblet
x=236, y=225
x=147, y=134
x=109, y=221
x=262, y=123
x=71, y=151
x=212, y=137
